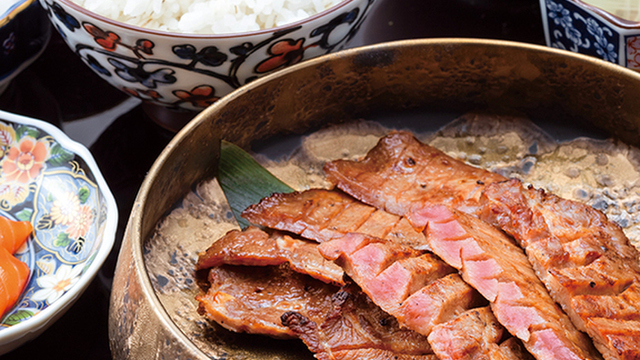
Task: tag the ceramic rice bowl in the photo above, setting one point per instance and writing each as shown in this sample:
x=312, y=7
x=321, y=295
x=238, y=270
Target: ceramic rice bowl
x=182, y=71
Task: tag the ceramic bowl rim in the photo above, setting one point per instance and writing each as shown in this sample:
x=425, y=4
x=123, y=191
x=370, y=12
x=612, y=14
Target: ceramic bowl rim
x=607, y=16
x=168, y=34
x=44, y=317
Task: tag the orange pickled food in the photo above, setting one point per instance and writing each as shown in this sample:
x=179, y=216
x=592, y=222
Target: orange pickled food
x=13, y=272
x=13, y=277
x=14, y=233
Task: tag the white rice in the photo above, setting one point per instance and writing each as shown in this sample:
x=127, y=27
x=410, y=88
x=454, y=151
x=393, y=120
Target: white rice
x=207, y=16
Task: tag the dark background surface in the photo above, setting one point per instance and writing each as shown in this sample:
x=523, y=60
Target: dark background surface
x=59, y=88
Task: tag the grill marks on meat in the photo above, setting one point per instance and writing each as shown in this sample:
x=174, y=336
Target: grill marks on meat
x=404, y=274
x=258, y=283
x=322, y=215
x=476, y=331
x=370, y=331
x=252, y=299
x=400, y=172
x=500, y=271
x=422, y=292
x=586, y=261
x=255, y=247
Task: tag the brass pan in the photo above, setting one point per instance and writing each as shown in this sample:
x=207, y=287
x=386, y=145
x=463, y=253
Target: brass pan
x=393, y=80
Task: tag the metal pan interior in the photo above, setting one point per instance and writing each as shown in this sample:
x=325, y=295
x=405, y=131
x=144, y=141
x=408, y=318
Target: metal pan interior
x=419, y=84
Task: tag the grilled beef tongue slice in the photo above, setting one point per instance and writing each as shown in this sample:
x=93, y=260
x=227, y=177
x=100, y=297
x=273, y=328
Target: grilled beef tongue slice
x=257, y=247
x=356, y=328
x=251, y=299
x=474, y=332
x=251, y=285
x=322, y=215
x=401, y=172
x=584, y=260
x=419, y=290
x=495, y=266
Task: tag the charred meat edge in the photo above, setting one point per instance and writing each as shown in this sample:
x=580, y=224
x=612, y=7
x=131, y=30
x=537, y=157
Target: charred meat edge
x=243, y=262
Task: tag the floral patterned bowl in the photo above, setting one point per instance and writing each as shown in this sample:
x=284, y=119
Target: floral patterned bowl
x=53, y=182
x=587, y=29
x=191, y=71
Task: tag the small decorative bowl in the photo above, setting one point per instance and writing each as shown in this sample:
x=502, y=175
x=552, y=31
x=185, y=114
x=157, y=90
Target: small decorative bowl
x=61, y=191
x=191, y=71
x=24, y=34
x=587, y=29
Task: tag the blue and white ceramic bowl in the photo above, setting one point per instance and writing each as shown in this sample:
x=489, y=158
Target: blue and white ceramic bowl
x=53, y=182
x=191, y=71
x=587, y=29
x=24, y=34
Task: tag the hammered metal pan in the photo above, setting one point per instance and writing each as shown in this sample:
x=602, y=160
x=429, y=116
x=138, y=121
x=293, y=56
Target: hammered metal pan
x=402, y=81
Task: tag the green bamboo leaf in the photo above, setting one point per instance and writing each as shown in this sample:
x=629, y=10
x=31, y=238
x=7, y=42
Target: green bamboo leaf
x=244, y=181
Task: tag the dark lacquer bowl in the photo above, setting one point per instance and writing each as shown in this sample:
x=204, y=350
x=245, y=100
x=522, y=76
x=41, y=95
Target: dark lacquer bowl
x=24, y=33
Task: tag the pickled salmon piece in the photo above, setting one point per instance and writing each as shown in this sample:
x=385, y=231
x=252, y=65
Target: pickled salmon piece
x=495, y=266
x=255, y=247
x=13, y=234
x=355, y=326
x=321, y=215
x=13, y=278
x=400, y=172
x=585, y=261
x=475, y=334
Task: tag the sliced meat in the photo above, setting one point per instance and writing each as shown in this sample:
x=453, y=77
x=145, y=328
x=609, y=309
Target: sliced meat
x=585, y=261
x=400, y=172
x=390, y=273
x=321, y=215
x=474, y=334
x=494, y=265
x=354, y=327
x=252, y=299
x=257, y=283
x=417, y=288
x=407, y=271
x=255, y=247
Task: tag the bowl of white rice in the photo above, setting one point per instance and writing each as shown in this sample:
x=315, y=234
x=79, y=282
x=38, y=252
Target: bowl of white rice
x=186, y=54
